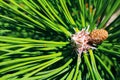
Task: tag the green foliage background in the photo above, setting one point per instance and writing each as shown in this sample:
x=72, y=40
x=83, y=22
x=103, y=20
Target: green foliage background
x=35, y=40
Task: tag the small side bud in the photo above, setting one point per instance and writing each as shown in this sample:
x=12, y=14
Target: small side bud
x=98, y=35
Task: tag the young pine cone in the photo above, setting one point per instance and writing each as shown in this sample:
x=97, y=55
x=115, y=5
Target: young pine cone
x=98, y=35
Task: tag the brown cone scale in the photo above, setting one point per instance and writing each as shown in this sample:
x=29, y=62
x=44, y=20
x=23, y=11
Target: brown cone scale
x=98, y=35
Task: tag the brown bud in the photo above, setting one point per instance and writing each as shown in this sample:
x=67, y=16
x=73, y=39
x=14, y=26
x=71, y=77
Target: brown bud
x=98, y=35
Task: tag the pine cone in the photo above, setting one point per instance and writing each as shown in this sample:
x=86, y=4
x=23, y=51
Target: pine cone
x=98, y=35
